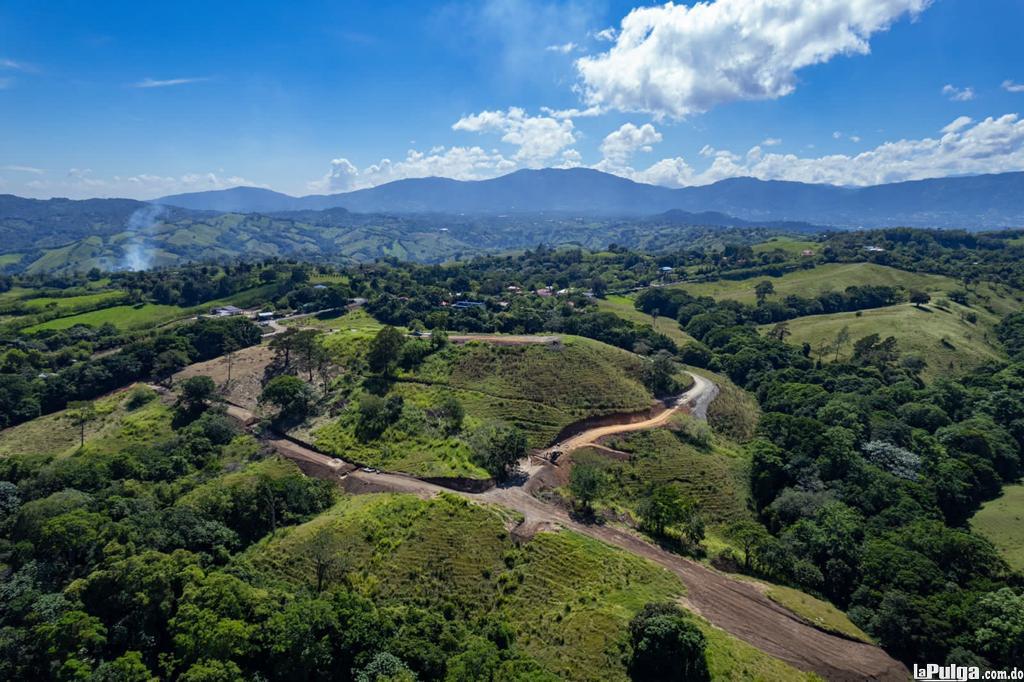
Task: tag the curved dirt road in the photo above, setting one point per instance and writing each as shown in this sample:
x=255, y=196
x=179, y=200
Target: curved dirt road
x=694, y=401
x=735, y=606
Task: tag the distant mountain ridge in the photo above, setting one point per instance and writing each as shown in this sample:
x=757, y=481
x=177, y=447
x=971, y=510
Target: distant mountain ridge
x=971, y=202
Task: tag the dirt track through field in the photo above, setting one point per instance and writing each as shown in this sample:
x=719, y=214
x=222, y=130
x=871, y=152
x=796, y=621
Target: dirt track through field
x=735, y=606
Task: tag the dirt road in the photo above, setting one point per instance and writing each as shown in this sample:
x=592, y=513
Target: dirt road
x=735, y=606
x=694, y=401
x=505, y=339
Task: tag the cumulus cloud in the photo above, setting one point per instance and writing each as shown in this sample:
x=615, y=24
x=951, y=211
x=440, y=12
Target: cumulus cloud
x=146, y=83
x=460, y=163
x=571, y=159
x=537, y=138
x=994, y=145
x=608, y=34
x=771, y=142
x=1010, y=86
x=677, y=60
x=81, y=183
x=956, y=94
x=620, y=145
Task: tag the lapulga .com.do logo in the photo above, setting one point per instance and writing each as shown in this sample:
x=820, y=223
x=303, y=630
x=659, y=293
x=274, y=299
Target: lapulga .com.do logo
x=962, y=673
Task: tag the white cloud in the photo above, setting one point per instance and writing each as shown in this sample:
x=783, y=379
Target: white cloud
x=152, y=83
x=995, y=145
x=538, y=138
x=956, y=94
x=572, y=113
x=771, y=142
x=571, y=159
x=564, y=48
x=676, y=60
x=620, y=145
x=23, y=169
x=608, y=34
x=1010, y=86
x=460, y=163
x=958, y=124
x=81, y=183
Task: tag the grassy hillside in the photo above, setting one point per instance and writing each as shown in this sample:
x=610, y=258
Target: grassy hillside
x=946, y=341
x=789, y=245
x=624, y=307
x=539, y=388
x=823, y=614
x=118, y=424
x=125, y=317
x=146, y=315
x=715, y=476
x=1002, y=521
x=832, y=277
x=568, y=598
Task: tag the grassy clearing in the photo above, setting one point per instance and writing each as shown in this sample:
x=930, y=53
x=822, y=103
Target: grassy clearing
x=832, y=277
x=355, y=322
x=146, y=315
x=10, y=258
x=948, y=343
x=793, y=247
x=568, y=598
x=115, y=427
x=822, y=614
x=1002, y=522
x=623, y=306
x=72, y=304
x=123, y=317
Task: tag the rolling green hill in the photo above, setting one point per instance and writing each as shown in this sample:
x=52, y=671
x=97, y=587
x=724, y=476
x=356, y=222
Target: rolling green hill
x=541, y=388
x=568, y=598
x=818, y=280
x=940, y=336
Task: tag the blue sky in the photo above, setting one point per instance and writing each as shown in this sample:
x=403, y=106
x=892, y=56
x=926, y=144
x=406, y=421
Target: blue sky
x=145, y=99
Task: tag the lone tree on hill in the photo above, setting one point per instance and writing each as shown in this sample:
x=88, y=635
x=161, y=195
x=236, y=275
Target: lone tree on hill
x=82, y=412
x=666, y=645
x=291, y=395
x=384, y=350
x=195, y=392
x=587, y=482
x=919, y=298
x=498, y=447
x=763, y=290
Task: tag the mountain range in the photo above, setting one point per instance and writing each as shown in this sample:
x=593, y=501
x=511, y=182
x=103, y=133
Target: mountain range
x=970, y=202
